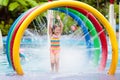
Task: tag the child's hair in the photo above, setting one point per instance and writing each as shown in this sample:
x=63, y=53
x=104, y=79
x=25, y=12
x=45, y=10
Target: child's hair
x=53, y=28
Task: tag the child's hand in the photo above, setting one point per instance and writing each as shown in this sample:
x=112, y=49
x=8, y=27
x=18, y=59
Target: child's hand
x=58, y=17
x=51, y=16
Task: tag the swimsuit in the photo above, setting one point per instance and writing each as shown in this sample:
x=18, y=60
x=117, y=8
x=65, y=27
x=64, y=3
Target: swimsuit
x=55, y=44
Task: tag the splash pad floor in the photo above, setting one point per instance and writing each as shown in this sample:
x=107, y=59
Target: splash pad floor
x=61, y=76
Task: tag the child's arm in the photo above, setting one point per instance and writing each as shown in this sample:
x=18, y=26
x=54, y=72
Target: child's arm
x=50, y=25
x=61, y=23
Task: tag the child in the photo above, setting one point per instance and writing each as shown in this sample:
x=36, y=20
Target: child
x=55, y=32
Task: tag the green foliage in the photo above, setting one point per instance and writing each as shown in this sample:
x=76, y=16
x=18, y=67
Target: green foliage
x=4, y=2
x=116, y=7
x=11, y=10
x=43, y=0
x=24, y=5
x=4, y=28
x=13, y=6
x=32, y=3
x=22, y=2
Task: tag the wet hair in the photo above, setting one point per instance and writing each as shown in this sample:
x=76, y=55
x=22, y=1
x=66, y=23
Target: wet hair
x=53, y=28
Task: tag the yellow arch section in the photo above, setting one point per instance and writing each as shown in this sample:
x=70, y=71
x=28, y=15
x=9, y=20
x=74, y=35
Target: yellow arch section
x=46, y=6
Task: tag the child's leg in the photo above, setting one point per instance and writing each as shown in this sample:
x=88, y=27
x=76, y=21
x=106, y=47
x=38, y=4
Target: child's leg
x=57, y=62
x=52, y=59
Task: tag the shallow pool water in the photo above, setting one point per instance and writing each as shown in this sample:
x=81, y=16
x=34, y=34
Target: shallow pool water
x=74, y=58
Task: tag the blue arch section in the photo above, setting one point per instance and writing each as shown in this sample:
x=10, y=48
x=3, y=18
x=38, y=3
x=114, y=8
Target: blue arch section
x=8, y=38
x=80, y=23
x=11, y=32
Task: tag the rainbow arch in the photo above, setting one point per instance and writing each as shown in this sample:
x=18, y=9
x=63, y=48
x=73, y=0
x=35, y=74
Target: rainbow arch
x=76, y=4
x=93, y=32
x=18, y=22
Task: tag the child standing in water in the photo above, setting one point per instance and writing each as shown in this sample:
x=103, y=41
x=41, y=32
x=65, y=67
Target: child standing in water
x=55, y=32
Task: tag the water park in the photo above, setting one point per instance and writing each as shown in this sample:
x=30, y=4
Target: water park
x=59, y=39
